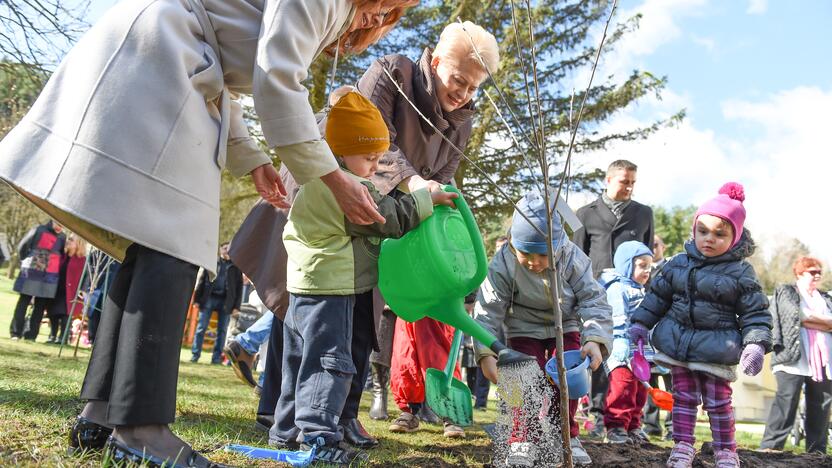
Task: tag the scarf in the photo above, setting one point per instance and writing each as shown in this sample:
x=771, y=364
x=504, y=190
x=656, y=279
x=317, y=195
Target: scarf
x=814, y=304
x=617, y=207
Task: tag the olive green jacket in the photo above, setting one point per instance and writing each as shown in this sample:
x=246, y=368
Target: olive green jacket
x=328, y=255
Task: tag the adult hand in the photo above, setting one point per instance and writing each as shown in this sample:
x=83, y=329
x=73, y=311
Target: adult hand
x=592, y=350
x=751, y=360
x=415, y=183
x=269, y=186
x=353, y=198
x=488, y=365
x=444, y=198
x=638, y=332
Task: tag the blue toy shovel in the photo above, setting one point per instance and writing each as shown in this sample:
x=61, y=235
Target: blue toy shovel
x=297, y=459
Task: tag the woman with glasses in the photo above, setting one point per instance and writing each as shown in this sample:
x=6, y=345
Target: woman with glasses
x=802, y=335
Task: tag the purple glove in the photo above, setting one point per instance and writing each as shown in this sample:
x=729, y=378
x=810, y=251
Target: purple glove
x=638, y=332
x=751, y=361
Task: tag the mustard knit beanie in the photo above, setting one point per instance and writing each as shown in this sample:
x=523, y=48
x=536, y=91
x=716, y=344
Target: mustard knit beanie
x=355, y=126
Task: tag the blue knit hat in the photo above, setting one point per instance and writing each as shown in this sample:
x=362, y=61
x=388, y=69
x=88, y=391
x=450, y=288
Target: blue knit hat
x=526, y=238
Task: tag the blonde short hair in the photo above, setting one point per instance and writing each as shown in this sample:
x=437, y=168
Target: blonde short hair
x=458, y=41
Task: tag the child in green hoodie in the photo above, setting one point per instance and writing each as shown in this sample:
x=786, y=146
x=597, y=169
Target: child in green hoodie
x=332, y=269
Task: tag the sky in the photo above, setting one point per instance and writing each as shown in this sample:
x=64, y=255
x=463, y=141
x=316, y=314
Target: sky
x=755, y=78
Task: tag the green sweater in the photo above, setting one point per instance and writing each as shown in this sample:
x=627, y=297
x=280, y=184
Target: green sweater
x=328, y=255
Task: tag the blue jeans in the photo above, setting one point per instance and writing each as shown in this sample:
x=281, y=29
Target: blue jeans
x=317, y=368
x=214, y=303
x=251, y=339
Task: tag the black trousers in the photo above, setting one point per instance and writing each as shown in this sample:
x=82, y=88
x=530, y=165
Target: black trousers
x=19, y=319
x=784, y=410
x=135, y=361
x=363, y=342
x=57, y=325
x=651, y=411
x=598, y=395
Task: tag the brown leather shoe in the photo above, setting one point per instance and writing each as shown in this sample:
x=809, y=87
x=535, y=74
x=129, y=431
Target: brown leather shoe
x=241, y=361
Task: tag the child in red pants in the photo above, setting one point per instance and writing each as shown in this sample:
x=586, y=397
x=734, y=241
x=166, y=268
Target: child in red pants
x=516, y=294
x=626, y=396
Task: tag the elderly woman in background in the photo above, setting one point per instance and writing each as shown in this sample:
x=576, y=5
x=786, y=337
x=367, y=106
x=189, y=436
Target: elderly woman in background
x=802, y=317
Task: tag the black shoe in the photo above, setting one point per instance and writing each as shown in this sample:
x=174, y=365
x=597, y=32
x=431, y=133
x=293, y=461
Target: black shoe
x=194, y=358
x=87, y=435
x=336, y=454
x=264, y=422
x=117, y=452
x=356, y=435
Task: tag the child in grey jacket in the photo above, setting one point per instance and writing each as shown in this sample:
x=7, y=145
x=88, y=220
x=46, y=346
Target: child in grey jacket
x=516, y=293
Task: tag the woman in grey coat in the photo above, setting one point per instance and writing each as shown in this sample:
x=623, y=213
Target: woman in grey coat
x=125, y=146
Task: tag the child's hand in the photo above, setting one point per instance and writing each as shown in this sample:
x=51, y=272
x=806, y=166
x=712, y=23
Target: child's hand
x=592, y=350
x=638, y=332
x=751, y=360
x=444, y=198
x=488, y=365
x=620, y=349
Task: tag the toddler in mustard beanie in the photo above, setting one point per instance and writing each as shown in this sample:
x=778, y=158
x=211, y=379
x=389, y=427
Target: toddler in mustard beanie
x=356, y=131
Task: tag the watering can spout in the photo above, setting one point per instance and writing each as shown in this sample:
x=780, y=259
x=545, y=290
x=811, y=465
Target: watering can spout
x=508, y=357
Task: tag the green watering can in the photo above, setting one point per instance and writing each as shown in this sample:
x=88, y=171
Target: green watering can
x=429, y=271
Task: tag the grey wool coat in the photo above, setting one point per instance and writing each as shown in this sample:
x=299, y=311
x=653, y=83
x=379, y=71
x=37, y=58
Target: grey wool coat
x=127, y=140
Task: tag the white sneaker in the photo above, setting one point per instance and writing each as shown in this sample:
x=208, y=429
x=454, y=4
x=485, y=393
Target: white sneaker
x=521, y=454
x=579, y=455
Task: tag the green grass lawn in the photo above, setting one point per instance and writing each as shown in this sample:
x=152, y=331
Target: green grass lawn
x=39, y=400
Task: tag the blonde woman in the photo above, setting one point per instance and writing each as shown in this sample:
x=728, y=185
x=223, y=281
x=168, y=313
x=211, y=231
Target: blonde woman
x=442, y=85
x=125, y=146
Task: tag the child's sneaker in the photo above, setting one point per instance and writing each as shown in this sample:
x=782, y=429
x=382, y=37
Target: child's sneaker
x=681, y=456
x=579, y=455
x=337, y=453
x=453, y=431
x=617, y=435
x=521, y=454
x=639, y=437
x=726, y=459
x=406, y=422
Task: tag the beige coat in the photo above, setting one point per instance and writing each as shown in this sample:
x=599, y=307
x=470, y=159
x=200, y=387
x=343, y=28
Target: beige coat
x=127, y=140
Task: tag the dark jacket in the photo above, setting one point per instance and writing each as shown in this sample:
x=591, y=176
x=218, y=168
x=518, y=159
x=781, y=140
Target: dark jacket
x=40, y=261
x=602, y=232
x=416, y=149
x=707, y=309
x=785, y=317
x=233, y=289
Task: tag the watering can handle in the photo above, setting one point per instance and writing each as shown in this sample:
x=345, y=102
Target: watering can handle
x=453, y=355
x=476, y=237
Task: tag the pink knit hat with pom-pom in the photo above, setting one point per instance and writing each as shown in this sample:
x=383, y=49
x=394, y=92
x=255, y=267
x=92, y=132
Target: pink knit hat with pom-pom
x=728, y=206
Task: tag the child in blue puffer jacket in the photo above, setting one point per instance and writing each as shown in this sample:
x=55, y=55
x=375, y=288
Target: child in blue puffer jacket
x=708, y=314
x=626, y=396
